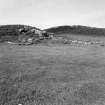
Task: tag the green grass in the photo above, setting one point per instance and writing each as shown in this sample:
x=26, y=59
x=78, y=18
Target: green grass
x=77, y=29
x=81, y=37
x=52, y=75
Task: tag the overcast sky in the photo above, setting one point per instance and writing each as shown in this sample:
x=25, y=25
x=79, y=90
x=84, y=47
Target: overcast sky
x=47, y=13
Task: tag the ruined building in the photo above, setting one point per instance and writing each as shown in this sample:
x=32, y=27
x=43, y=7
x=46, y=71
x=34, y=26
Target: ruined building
x=30, y=35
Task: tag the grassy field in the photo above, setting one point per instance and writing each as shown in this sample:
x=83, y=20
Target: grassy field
x=82, y=37
x=52, y=75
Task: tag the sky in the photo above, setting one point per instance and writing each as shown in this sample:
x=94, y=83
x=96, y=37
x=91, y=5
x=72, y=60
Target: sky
x=49, y=13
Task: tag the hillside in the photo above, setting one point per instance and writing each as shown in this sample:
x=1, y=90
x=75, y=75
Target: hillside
x=21, y=33
x=52, y=73
x=77, y=29
x=11, y=32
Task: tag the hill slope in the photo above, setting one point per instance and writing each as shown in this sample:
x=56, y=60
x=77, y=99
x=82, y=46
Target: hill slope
x=83, y=30
x=11, y=32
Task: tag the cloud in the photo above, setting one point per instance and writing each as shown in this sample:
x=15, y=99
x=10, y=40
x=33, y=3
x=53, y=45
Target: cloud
x=96, y=18
x=48, y=13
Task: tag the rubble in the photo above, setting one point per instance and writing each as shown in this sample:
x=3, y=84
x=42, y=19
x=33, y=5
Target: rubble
x=31, y=36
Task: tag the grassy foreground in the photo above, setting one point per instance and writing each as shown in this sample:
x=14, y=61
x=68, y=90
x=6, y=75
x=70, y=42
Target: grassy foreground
x=52, y=75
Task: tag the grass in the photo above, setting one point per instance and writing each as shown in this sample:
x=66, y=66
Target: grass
x=52, y=75
x=81, y=37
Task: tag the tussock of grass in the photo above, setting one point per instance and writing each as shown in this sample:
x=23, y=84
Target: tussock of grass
x=45, y=92
x=42, y=75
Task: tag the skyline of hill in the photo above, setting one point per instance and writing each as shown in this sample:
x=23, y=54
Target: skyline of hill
x=11, y=32
x=77, y=29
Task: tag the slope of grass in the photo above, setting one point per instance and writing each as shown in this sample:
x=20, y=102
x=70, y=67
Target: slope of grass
x=52, y=75
x=77, y=29
x=11, y=32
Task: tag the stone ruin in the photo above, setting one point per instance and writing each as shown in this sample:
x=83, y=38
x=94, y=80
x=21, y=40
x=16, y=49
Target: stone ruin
x=32, y=35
